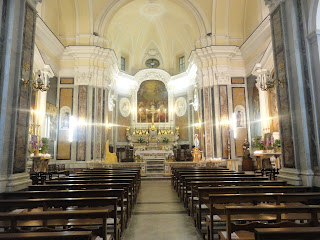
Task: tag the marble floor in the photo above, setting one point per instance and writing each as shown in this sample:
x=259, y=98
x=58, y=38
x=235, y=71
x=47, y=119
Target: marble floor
x=159, y=215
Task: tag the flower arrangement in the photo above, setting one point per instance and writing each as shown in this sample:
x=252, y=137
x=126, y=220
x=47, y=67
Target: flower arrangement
x=44, y=145
x=165, y=140
x=33, y=146
x=277, y=144
x=141, y=140
x=258, y=143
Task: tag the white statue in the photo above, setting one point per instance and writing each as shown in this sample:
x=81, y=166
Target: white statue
x=196, y=141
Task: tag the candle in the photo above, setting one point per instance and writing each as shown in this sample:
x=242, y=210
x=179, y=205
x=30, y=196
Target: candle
x=147, y=115
x=140, y=117
x=165, y=118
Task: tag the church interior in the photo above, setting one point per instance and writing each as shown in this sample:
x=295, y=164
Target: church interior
x=160, y=119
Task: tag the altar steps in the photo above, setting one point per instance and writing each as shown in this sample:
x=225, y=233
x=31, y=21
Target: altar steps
x=155, y=170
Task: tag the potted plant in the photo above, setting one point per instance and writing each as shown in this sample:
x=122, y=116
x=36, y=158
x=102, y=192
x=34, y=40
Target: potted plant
x=44, y=145
x=165, y=140
x=258, y=143
x=141, y=140
x=277, y=145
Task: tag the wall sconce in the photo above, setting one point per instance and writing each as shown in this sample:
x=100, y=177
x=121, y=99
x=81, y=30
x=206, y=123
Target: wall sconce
x=198, y=126
x=40, y=84
x=108, y=126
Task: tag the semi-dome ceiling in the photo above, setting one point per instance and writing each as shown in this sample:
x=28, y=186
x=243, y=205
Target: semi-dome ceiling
x=161, y=29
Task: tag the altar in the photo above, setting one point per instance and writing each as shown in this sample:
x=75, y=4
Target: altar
x=149, y=155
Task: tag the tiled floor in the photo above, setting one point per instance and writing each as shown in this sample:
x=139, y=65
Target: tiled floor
x=159, y=215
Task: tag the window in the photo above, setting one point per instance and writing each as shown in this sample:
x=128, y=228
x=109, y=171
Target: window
x=181, y=64
x=152, y=63
x=123, y=64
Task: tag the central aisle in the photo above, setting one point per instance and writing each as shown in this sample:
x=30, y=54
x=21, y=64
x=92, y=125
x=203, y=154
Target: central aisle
x=159, y=215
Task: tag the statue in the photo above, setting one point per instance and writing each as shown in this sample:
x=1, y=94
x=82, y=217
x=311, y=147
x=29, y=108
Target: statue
x=196, y=153
x=196, y=141
x=246, y=148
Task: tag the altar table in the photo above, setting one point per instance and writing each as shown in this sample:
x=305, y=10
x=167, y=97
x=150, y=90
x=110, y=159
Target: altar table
x=154, y=154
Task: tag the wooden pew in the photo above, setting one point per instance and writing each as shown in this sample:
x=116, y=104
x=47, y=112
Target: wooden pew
x=196, y=184
x=110, y=172
x=66, y=235
x=204, y=192
x=177, y=172
x=64, y=203
x=99, y=181
x=103, y=177
x=14, y=219
x=185, y=187
x=125, y=186
x=283, y=216
x=301, y=233
x=119, y=193
x=255, y=198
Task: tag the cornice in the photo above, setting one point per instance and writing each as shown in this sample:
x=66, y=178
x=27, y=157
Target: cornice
x=47, y=38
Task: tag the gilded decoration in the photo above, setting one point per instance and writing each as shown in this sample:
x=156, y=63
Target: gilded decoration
x=152, y=93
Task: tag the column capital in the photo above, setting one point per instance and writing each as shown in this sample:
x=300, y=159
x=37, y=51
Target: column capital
x=272, y=4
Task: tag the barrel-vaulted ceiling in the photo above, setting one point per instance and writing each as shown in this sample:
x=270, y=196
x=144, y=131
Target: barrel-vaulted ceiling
x=139, y=29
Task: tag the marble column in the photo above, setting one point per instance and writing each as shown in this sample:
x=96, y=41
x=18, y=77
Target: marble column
x=13, y=176
x=296, y=108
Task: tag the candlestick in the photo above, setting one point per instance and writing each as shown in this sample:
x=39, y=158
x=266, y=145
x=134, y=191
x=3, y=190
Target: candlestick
x=165, y=118
x=140, y=117
x=146, y=115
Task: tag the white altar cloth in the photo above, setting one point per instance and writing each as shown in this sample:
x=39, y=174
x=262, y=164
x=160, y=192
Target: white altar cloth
x=154, y=154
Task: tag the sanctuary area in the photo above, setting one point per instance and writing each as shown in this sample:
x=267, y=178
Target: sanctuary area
x=159, y=119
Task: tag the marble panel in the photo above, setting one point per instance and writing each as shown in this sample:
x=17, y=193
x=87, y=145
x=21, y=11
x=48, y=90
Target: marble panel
x=239, y=108
x=64, y=144
x=24, y=93
x=82, y=129
x=285, y=122
x=92, y=121
x=274, y=126
x=104, y=118
x=224, y=116
x=66, y=80
x=307, y=85
x=237, y=80
x=98, y=124
x=208, y=121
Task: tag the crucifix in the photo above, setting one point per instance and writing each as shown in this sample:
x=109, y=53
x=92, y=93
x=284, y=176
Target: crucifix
x=153, y=111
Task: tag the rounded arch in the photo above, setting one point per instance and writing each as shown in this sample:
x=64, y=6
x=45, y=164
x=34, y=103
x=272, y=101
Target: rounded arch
x=115, y=5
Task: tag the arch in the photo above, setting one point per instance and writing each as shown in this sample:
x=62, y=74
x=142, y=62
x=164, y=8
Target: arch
x=115, y=5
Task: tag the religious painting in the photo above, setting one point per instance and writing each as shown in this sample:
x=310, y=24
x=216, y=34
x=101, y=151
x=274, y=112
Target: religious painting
x=274, y=110
x=52, y=114
x=152, y=93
